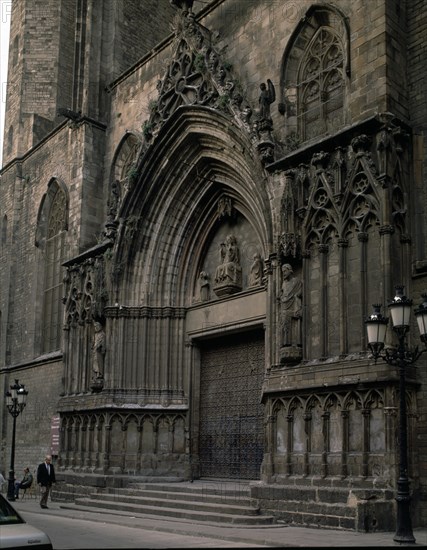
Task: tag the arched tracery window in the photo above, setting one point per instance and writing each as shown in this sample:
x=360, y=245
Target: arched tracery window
x=54, y=257
x=315, y=71
x=125, y=157
x=321, y=85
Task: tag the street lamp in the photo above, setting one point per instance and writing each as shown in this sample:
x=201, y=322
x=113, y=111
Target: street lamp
x=401, y=357
x=15, y=403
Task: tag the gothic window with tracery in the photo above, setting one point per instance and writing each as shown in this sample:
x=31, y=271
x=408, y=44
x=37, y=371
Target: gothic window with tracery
x=320, y=88
x=314, y=82
x=55, y=244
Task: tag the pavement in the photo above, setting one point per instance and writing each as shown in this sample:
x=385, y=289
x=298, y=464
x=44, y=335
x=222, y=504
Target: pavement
x=278, y=535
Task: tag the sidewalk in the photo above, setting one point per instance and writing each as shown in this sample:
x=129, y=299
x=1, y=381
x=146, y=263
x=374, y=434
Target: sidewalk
x=273, y=535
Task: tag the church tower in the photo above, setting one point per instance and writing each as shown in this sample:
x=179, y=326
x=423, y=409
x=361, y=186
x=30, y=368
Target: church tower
x=84, y=46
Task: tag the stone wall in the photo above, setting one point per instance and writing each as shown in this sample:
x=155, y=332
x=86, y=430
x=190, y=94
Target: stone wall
x=33, y=425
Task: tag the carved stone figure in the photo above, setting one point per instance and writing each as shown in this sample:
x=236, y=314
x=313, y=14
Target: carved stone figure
x=98, y=350
x=255, y=275
x=291, y=307
x=266, y=98
x=114, y=199
x=228, y=275
x=204, y=286
x=225, y=207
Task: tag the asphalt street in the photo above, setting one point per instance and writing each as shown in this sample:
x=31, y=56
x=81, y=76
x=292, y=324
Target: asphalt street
x=73, y=528
x=67, y=533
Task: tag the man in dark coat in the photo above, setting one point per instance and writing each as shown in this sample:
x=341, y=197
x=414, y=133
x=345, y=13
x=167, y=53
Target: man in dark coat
x=45, y=478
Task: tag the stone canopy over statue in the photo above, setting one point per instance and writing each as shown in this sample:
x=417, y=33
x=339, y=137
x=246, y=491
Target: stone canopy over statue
x=228, y=275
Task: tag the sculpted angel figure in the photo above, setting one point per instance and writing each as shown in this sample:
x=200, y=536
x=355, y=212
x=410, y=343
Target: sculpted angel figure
x=266, y=98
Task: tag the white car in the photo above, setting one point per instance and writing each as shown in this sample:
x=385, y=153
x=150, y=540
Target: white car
x=15, y=532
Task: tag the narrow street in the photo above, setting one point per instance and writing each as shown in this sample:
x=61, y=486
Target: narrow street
x=82, y=532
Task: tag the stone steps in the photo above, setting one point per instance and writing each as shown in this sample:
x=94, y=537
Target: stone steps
x=200, y=503
x=175, y=498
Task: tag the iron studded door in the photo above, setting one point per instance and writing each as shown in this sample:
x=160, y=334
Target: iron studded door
x=231, y=416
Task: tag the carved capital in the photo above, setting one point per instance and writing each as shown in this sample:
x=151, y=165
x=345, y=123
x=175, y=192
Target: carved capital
x=266, y=151
x=361, y=144
x=290, y=174
x=320, y=160
x=184, y=5
x=386, y=230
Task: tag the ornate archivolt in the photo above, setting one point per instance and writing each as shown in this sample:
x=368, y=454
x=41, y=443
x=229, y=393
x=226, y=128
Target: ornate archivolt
x=198, y=75
x=173, y=210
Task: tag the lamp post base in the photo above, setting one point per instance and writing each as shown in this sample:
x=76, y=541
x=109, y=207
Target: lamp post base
x=11, y=486
x=404, y=537
x=404, y=524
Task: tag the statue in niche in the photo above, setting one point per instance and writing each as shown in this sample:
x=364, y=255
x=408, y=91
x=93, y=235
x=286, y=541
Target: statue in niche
x=204, y=286
x=266, y=98
x=228, y=275
x=291, y=307
x=256, y=272
x=98, y=351
x=114, y=199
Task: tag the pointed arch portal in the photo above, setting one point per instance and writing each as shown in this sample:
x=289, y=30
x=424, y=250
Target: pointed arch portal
x=197, y=206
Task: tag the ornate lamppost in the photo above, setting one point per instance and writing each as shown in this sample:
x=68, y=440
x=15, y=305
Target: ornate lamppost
x=15, y=403
x=400, y=356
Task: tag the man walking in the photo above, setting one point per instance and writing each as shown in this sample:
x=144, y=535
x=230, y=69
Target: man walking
x=45, y=478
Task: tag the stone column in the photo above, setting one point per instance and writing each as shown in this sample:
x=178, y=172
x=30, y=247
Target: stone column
x=366, y=413
x=344, y=452
x=343, y=245
x=307, y=451
x=326, y=447
x=323, y=250
x=290, y=420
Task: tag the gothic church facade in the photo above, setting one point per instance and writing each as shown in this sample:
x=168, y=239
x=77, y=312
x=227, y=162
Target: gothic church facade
x=200, y=202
